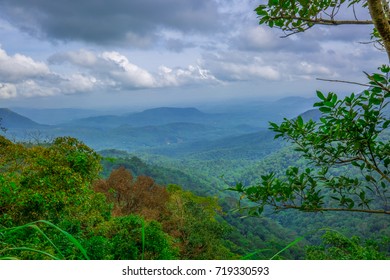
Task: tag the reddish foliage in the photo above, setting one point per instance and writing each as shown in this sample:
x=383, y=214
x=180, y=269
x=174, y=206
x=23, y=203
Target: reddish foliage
x=141, y=196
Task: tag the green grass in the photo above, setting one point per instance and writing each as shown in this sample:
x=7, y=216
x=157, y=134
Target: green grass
x=35, y=226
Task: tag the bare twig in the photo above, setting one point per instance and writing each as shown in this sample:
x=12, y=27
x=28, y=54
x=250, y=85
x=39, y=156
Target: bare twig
x=295, y=32
x=345, y=82
x=354, y=12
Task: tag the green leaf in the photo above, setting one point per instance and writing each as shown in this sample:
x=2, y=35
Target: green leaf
x=369, y=178
x=328, y=103
x=300, y=121
x=325, y=109
x=334, y=99
x=320, y=95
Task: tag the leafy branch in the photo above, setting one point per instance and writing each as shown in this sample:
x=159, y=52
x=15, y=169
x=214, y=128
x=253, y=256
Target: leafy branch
x=350, y=133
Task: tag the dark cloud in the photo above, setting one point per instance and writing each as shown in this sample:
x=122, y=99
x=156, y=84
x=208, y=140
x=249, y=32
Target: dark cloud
x=260, y=39
x=177, y=45
x=135, y=22
x=345, y=33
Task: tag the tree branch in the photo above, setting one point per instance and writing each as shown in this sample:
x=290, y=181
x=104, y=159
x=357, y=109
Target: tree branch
x=335, y=210
x=322, y=21
x=345, y=82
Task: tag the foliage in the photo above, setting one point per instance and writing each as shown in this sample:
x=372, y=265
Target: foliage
x=349, y=133
x=162, y=172
x=8, y=240
x=298, y=14
x=46, y=182
x=133, y=196
x=188, y=219
x=130, y=237
x=120, y=217
x=252, y=237
x=194, y=225
x=243, y=235
x=336, y=246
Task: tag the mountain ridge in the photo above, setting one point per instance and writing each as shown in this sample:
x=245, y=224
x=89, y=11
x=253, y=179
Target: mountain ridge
x=154, y=116
x=11, y=119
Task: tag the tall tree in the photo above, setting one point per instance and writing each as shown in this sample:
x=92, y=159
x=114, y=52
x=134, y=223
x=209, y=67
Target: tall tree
x=352, y=132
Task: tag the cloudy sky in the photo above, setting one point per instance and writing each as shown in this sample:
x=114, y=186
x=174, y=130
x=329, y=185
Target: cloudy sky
x=117, y=53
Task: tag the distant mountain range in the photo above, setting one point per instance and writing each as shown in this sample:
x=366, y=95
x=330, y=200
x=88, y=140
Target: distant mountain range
x=55, y=116
x=167, y=130
x=156, y=116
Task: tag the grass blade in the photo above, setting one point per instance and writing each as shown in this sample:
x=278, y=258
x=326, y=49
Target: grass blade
x=34, y=226
x=69, y=236
x=143, y=239
x=288, y=246
x=28, y=249
x=248, y=256
x=300, y=239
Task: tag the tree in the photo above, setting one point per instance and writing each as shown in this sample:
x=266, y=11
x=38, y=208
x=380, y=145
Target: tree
x=52, y=183
x=194, y=225
x=190, y=220
x=337, y=246
x=348, y=149
x=141, y=196
x=49, y=183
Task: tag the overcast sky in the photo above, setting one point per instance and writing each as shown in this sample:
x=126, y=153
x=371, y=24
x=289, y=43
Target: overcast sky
x=118, y=53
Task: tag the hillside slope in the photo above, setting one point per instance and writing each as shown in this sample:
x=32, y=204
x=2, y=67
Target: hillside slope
x=10, y=119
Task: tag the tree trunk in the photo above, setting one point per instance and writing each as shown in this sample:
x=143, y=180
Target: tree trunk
x=379, y=17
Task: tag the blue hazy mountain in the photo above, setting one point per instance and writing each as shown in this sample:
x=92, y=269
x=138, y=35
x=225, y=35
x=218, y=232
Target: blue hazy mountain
x=234, y=129
x=52, y=116
x=12, y=120
x=313, y=114
x=156, y=116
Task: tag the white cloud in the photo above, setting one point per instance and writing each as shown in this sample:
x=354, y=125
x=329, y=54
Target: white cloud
x=235, y=66
x=22, y=76
x=314, y=69
x=31, y=88
x=184, y=76
x=127, y=74
x=247, y=72
x=77, y=83
x=7, y=91
x=19, y=67
x=113, y=70
x=81, y=58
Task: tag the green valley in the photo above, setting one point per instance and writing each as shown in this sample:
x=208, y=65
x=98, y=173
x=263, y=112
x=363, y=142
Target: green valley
x=186, y=161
